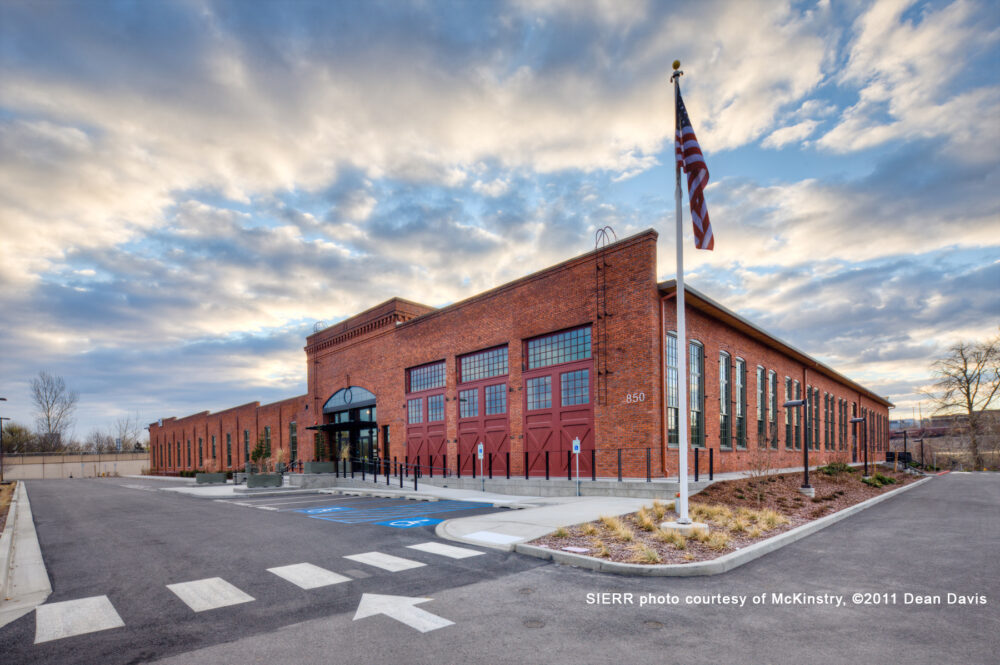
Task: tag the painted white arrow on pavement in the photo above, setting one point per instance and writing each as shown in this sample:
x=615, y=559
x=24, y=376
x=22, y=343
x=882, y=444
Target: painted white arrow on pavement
x=400, y=608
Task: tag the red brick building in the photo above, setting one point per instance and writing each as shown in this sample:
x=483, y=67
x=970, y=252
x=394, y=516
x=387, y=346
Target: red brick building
x=581, y=350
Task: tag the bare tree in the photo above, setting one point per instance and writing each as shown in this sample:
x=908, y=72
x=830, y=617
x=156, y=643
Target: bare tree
x=968, y=381
x=99, y=442
x=54, y=406
x=128, y=429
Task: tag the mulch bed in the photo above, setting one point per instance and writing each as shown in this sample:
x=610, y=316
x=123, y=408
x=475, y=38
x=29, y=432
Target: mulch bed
x=778, y=492
x=6, y=494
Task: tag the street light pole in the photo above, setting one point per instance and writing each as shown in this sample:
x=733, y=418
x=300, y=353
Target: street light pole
x=2, y=399
x=806, y=488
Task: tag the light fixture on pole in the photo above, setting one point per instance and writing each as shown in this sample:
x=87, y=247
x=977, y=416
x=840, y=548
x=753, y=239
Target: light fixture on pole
x=806, y=488
x=864, y=437
x=2, y=399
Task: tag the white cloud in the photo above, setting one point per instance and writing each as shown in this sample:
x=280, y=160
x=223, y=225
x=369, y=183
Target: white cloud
x=790, y=134
x=903, y=69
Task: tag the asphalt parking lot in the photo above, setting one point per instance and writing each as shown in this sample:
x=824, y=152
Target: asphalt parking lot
x=126, y=548
x=129, y=543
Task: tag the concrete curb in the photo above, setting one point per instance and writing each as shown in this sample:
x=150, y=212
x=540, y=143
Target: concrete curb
x=7, y=542
x=25, y=581
x=716, y=566
x=416, y=496
x=174, y=479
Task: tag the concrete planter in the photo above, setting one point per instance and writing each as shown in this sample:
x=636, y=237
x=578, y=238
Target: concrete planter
x=264, y=480
x=318, y=467
x=206, y=478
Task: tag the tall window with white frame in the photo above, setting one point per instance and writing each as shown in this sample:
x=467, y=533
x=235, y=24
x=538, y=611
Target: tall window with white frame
x=796, y=418
x=788, y=415
x=725, y=398
x=672, y=396
x=740, y=403
x=772, y=411
x=815, y=418
x=696, y=389
x=761, y=426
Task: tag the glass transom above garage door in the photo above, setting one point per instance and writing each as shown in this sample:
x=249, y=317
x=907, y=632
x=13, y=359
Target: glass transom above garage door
x=561, y=347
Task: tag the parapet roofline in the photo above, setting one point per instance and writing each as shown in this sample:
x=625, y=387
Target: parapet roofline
x=563, y=265
x=705, y=304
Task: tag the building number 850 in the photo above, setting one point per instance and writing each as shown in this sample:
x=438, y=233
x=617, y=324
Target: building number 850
x=632, y=398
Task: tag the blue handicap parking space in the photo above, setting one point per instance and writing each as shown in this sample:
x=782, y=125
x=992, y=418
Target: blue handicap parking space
x=398, y=516
x=410, y=523
x=318, y=510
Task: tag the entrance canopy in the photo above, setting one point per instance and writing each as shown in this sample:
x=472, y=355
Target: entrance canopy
x=352, y=397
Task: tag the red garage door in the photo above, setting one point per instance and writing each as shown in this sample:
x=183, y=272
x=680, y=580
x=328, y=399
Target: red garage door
x=482, y=410
x=426, y=444
x=558, y=402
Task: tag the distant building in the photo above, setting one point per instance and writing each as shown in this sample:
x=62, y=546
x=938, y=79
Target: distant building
x=583, y=350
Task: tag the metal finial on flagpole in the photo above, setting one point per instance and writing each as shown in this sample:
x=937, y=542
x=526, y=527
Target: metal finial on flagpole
x=677, y=65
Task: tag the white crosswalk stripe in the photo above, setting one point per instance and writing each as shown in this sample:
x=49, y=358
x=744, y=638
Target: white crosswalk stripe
x=208, y=594
x=445, y=550
x=385, y=561
x=75, y=617
x=308, y=576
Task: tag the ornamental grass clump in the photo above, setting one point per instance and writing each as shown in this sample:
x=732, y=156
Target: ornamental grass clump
x=589, y=529
x=717, y=540
x=561, y=532
x=618, y=529
x=645, y=554
x=645, y=520
x=671, y=537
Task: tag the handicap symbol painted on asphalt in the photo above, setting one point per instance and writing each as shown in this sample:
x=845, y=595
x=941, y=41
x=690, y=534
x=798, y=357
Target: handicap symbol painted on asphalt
x=320, y=510
x=409, y=523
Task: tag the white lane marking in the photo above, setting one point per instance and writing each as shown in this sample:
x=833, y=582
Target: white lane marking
x=400, y=608
x=493, y=537
x=308, y=576
x=445, y=550
x=75, y=617
x=384, y=561
x=208, y=594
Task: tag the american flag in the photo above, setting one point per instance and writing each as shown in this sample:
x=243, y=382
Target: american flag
x=690, y=159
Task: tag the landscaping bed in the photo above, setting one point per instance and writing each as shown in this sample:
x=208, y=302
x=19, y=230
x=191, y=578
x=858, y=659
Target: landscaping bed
x=738, y=513
x=6, y=494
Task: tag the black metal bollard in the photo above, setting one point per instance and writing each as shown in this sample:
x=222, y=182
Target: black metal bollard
x=593, y=463
x=416, y=474
x=401, y=470
x=619, y=465
x=444, y=465
x=395, y=465
x=489, y=463
x=526, y=465
x=569, y=465
x=711, y=463
x=363, y=465
x=474, y=460
x=416, y=469
x=458, y=466
x=649, y=472
x=696, y=465
x=431, y=463
x=507, y=463
x=386, y=467
x=546, y=465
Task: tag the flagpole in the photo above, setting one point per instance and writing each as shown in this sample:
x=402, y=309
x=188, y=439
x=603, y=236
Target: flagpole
x=683, y=415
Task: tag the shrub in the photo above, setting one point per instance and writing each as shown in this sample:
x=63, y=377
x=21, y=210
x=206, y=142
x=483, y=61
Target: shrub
x=871, y=482
x=600, y=549
x=589, y=529
x=885, y=480
x=561, y=532
x=833, y=468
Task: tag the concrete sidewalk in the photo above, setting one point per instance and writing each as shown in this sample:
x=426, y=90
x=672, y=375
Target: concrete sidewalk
x=504, y=530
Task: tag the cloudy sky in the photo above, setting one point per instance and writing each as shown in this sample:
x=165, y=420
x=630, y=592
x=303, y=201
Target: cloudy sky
x=187, y=186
